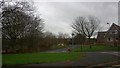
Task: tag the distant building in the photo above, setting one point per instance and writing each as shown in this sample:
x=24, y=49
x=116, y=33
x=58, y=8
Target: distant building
x=111, y=37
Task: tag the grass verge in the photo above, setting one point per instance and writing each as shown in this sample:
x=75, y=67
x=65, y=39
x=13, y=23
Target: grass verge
x=33, y=58
x=96, y=48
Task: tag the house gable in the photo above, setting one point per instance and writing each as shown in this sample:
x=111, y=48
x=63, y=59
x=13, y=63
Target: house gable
x=112, y=36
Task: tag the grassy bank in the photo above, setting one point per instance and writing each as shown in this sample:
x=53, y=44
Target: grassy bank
x=32, y=58
x=96, y=48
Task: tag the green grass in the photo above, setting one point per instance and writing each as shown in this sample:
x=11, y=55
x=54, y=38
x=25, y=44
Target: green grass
x=96, y=48
x=33, y=58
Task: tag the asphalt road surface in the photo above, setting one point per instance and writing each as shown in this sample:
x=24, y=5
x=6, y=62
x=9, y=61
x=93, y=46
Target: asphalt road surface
x=91, y=58
x=63, y=49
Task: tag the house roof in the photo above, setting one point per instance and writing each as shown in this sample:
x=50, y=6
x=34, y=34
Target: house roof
x=103, y=35
x=117, y=27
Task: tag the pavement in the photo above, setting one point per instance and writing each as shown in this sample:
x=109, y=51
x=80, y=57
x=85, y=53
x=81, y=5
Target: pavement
x=112, y=53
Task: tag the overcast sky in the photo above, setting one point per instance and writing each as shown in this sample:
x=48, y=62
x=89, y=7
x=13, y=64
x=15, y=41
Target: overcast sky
x=60, y=15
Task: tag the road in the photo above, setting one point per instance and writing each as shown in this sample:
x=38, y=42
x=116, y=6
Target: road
x=91, y=58
x=75, y=46
x=63, y=49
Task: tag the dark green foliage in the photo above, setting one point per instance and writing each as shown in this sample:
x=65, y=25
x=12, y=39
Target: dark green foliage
x=79, y=39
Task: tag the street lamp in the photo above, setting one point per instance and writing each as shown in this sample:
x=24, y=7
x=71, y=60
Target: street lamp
x=108, y=30
x=73, y=38
x=109, y=25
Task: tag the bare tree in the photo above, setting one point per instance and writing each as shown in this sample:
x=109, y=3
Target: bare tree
x=86, y=26
x=20, y=22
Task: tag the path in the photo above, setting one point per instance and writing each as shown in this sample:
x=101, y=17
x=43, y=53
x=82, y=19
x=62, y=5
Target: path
x=113, y=53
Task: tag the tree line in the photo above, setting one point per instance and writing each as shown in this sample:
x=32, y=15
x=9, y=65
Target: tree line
x=22, y=29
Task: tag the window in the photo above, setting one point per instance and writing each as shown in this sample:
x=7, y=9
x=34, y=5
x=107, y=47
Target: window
x=116, y=39
x=116, y=32
x=104, y=35
x=113, y=32
x=108, y=39
x=111, y=39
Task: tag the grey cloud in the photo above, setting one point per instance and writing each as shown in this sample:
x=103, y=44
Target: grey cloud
x=59, y=15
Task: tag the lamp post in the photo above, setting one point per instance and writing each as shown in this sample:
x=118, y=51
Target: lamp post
x=72, y=39
x=108, y=30
x=109, y=25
